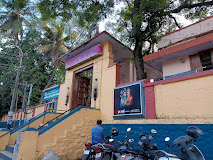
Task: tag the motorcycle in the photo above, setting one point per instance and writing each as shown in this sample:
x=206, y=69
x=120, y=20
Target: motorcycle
x=188, y=151
x=92, y=152
x=125, y=152
x=101, y=151
x=122, y=150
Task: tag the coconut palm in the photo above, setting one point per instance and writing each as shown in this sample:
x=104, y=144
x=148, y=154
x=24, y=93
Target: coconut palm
x=54, y=44
x=12, y=19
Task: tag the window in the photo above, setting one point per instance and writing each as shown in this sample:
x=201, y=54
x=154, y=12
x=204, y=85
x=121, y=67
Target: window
x=206, y=60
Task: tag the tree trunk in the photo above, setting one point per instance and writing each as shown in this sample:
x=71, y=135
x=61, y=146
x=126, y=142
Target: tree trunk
x=138, y=58
x=137, y=53
x=17, y=76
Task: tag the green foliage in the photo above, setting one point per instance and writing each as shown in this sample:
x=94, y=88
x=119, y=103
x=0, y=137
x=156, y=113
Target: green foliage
x=83, y=12
x=13, y=18
x=53, y=45
x=150, y=19
x=34, y=71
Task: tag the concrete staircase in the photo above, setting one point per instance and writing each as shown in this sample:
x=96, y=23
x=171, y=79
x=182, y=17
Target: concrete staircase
x=73, y=140
x=7, y=154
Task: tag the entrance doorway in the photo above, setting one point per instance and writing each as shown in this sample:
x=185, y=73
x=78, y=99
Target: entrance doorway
x=82, y=88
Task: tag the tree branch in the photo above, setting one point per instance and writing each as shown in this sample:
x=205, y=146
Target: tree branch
x=189, y=6
x=127, y=3
x=150, y=46
x=175, y=20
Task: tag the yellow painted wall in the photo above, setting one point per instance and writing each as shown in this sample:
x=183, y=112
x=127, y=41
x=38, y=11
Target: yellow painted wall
x=39, y=110
x=34, y=124
x=67, y=138
x=108, y=84
x=27, y=146
x=4, y=140
x=64, y=91
x=3, y=132
x=185, y=99
x=102, y=77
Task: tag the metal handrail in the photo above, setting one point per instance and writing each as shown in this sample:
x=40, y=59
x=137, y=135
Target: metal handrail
x=4, y=134
x=71, y=109
x=22, y=124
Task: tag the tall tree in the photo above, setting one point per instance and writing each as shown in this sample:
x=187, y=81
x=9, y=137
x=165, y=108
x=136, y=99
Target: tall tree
x=34, y=70
x=53, y=46
x=144, y=19
x=12, y=21
x=83, y=12
x=140, y=21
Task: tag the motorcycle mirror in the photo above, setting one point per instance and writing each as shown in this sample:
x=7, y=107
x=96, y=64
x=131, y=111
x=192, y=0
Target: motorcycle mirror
x=153, y=131
x=129, y=129
x=111, y=140
x=167, y=139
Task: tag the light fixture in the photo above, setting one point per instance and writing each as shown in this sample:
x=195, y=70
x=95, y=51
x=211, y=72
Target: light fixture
x=182, y=60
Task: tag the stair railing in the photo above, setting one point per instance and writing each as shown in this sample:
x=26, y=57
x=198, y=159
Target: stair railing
x=56, y=118
x=22, y=124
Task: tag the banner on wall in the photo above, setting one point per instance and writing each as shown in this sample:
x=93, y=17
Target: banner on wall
x=54, y=93
x=90, y=53
x=129, y=100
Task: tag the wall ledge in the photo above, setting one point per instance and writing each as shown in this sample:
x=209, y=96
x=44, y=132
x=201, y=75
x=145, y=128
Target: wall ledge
x=181, y=78
x=116, y=63
x=145, y=81
x=190, y=121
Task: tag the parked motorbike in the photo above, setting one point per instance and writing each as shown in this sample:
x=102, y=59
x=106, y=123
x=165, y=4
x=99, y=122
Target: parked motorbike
x=188, y=151
x=125, y=152
x=91, y=152
x=121, y=150
x=101, y=151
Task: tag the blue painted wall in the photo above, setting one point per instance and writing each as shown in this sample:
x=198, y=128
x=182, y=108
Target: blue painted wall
x=205, y=143
x=4, y=124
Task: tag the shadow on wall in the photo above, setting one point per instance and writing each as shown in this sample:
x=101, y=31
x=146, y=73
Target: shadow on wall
x=204, y=143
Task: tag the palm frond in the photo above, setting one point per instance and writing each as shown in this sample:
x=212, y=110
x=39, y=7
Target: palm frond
x=6, y=26
x=49, y=33
x=20, y=4
x=26, y=22
x=17, y=26
x=45, y=49
x=63, y=48
x=41, y=43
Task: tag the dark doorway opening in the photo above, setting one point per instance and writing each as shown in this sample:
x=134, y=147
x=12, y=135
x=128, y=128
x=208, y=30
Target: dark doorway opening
x=82, y=88
x=206, y=60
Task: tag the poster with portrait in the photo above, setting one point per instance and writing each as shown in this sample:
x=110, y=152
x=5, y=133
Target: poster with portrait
x=128, y=99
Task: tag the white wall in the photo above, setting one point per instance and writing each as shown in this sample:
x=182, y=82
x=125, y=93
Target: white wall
x=194, y=30
x=174, y=66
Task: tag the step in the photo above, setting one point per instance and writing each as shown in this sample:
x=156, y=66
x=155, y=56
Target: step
x=5, y=155
x=9, y=148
